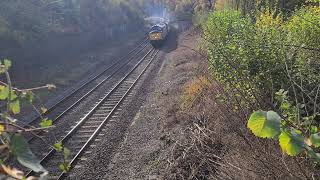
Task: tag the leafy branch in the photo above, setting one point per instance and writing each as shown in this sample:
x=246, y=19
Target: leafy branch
x=13, y=144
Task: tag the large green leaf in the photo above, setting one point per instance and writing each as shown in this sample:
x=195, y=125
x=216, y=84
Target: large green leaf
x=291, y=143
x=20, y=148
x=264, y=124
x=315, y=140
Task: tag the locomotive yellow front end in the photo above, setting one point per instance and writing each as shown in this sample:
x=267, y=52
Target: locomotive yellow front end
x=155, y=36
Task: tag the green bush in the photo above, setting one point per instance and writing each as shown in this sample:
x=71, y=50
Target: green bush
x=270, y=63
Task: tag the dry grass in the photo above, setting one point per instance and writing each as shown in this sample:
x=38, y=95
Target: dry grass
x=193, y=92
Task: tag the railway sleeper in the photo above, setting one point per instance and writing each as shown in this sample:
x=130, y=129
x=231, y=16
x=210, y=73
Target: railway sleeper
x=110, y=104
x=116, y=96
x=83, y=136
x=121, y=91
x=95, y=121
x=87, y=152
x=85, y=130
x=112, y=100
x=105, y=108
x=90, y=126
x=125, y=86
x=101, y=114
x=93, y=118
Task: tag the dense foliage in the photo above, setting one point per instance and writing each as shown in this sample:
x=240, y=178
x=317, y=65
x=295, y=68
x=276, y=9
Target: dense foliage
x=271, y=61
x=27, y=20
x=251, y=6
x=24, y=21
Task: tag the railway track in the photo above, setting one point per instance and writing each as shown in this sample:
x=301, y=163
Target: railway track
x=76, y=94
x=92, y=88
x=79, y=137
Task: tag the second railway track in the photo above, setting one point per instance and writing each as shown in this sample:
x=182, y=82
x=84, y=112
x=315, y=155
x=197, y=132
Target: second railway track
x=85, y=130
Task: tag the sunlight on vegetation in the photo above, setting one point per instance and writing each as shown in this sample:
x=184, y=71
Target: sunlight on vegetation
x=271, y=60
x=194, y=91
x=265, y=54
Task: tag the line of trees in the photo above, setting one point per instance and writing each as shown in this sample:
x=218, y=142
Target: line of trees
x=247, y=6
x=21, y=20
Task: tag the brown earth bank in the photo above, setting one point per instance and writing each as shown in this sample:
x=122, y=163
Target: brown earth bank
x=177, y=128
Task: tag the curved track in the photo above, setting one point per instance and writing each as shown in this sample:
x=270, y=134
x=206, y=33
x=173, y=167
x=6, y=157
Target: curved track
x=81, y=134
x=76, y=94
x=90, y=91
x=86, y=130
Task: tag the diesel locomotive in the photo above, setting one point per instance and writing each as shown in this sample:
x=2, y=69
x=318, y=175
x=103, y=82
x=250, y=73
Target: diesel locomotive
x=158, y=34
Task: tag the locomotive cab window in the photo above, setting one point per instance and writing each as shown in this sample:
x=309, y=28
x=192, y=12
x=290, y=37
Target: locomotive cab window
x=156, y=28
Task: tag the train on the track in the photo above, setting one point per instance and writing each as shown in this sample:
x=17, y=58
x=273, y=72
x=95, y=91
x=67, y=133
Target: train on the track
x=158, y=34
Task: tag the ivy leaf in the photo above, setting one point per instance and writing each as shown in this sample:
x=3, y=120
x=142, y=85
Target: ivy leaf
x=46, y=123
x=20, y=148
x=291, y=143
x=315, y=140
x=4, y=92
x=15, y=107
x=264, y=124
x=58, y=146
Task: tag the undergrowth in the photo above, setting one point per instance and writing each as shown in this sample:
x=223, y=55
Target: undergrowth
x=268, y=63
